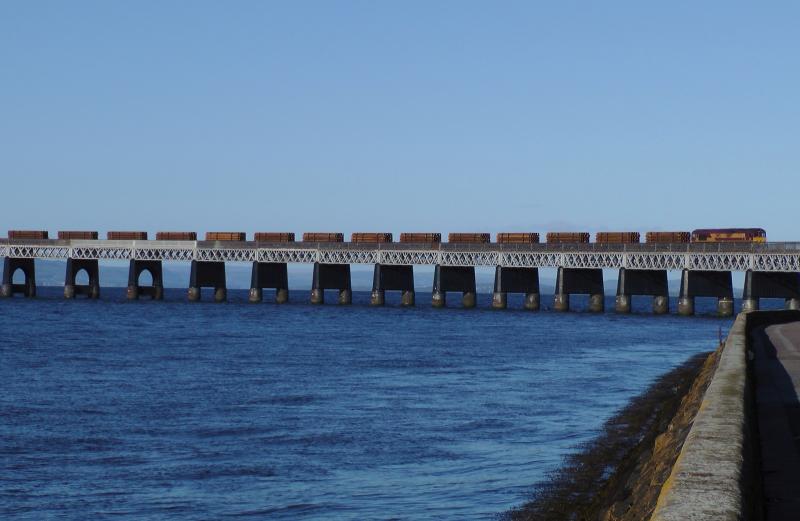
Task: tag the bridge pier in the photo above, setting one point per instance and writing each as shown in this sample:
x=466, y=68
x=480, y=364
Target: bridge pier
x=10, y=266
x=272, y=275
x=516, y=280
x=331, y=276
x=453, y=278
x=390, y=277
x=642, y=282
x=74, y=266
x=207, y=274
x=579, y=281
x=154, y=291
x=706, y=284
x=763, y=284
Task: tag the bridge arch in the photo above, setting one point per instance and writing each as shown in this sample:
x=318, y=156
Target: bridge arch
x=81, y=277
x=20, y=275
x=145, y=277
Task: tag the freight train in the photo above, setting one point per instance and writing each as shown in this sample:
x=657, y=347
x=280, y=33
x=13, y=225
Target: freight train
x=701, y=235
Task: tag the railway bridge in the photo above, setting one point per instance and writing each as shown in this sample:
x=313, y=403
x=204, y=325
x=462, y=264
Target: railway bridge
x=771, y=269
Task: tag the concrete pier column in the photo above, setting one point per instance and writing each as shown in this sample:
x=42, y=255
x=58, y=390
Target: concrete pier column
x=377, y=297
x=499, y=300
x=532, y=301
x=317, y=291
x=725, y=306
x=622, y=304
x=468, y=299
x=685, y=297
x=407, y=298
x=438, y=299
x=561, y=302
x=269, y=275
x=75, y=266
x=499, y=296
x=792, y=303
x=686, y=306
x=660, y=305
x=256, y=295
x=597, y=303
x=331, y=276
x=155, y=290
x=750, y=304
x=207, y=274
x=750, y=300
x=282, y=295
x=28, y=268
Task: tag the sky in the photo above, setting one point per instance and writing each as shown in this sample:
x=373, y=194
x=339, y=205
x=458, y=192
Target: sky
x=399, y=116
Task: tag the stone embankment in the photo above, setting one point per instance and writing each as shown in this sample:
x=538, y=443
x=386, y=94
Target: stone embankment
x=691, y=447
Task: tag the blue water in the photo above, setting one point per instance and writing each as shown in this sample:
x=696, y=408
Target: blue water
x=132, y=410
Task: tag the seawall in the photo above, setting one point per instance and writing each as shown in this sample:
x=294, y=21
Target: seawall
x=716, y=475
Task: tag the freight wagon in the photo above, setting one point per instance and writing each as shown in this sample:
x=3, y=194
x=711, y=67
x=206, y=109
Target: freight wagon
x=274, y=237
x=667, y=237
x=176, y=236
x=323, y=237
x=371, y=237
x=66, y=235
x=471, y=238
x=567, y=237
x=27, y=234
x=421, y=237
x=126, y=236
x=517, y=238
x=226, y=236
x=617, y=237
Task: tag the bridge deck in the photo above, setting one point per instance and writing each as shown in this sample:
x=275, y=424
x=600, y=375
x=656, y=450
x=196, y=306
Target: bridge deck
x=782, y=257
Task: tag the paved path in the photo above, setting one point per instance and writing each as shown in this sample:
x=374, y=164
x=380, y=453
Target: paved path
x=777, y=386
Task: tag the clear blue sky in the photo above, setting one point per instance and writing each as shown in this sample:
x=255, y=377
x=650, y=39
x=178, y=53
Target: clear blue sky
x=399, y=116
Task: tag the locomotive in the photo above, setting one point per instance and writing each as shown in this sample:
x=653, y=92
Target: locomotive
x=729, y=235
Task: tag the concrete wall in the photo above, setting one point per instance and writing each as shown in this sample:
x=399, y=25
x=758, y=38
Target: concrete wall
x=714, y=477
x=705, y=483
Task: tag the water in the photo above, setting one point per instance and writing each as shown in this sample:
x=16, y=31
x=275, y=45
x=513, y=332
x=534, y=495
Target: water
x=138, y=410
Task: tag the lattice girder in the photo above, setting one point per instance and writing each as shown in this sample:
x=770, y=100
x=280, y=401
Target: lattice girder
x=769, y=257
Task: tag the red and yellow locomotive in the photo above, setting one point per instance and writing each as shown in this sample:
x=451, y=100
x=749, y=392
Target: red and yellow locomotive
x=729, y=235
